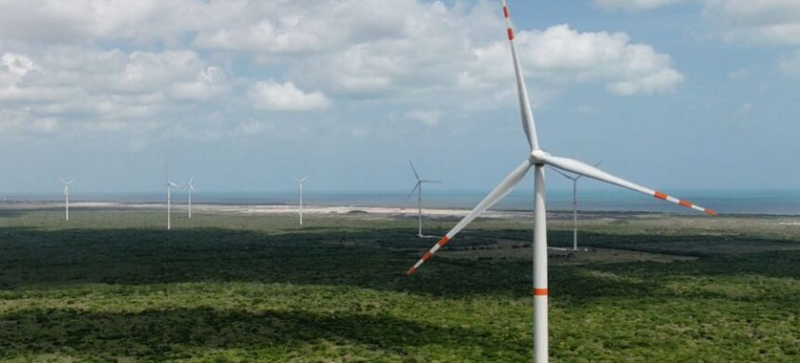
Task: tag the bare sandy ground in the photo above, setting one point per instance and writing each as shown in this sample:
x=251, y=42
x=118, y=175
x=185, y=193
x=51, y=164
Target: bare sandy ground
x=266, y=209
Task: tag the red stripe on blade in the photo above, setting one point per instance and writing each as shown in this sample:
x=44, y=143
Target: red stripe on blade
x=510, y=34
x=443, y=241
x=685, y=204
x=427, y=256
x=711, y=212
x=505, y=11
x=660, y=195
x=540, y=292
x=411, y=271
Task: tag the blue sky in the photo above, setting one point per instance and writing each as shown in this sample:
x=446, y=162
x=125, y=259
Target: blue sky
x=671, y=94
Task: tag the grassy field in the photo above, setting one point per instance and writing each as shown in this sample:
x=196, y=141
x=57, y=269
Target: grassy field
x=113, y=286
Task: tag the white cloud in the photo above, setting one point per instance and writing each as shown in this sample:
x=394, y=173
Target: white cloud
x=117, y=64
x=48, y=124
x=272, y=96
x=97, y=90
x=209, y=83
x=773, y=21
x=562, y=55
x=634, y=4
x=663, y=81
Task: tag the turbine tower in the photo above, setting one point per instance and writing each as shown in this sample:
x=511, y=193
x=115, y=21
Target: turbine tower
x=418, y=189
x=574, y=179
x=300, y=183
x=190, y=189
x=66, y=196
x=537, y=159
x=169, y=185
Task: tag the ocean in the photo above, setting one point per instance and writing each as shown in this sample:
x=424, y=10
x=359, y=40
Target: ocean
x=775, y=202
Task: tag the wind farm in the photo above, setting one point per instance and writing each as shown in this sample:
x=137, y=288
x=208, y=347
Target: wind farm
x=221, y=114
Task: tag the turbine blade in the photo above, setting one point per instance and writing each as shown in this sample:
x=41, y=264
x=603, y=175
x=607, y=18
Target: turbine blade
x=412, y=191
x=581, y=176
x=61, y=180
x=416, y=175
x=500, y=191
x=581, y=168
x=522, y=90
x=304, y=178
x=430, y=181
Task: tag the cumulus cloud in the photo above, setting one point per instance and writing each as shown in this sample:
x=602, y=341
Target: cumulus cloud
x=560, y=55
x=209, y=83
x=634, y=4
x=774, y=21
x=100, y=90
x=153, y=62
x=273, y=96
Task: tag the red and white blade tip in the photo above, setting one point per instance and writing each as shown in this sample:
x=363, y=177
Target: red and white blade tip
x=508, y=21
x=442, y=242
x=684, y=203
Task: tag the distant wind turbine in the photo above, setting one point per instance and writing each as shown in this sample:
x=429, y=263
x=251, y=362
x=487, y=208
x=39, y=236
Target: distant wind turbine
x=190, y=189
x=574, y=179
x=300, y=183
x=66, y=195
x=169, y=186
x=418, y=189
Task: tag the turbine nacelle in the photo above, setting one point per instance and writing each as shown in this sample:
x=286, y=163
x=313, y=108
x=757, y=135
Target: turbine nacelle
x=539, y=157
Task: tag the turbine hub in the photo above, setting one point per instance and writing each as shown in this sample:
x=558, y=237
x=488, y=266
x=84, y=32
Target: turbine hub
x=538, y=157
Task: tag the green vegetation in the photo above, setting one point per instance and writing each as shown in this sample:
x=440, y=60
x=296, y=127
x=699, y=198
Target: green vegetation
x=112, y=286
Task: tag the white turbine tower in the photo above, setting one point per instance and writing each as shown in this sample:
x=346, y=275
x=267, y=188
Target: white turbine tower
x=190, y=190
x=169, y=185
x=574, y=179
x=66, y=196
x=418, y=189
x=300, y=183
x=538, y=160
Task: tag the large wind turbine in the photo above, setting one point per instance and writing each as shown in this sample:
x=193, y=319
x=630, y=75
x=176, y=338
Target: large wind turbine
x=300, y=183
x=169, y=185
x=66, y=196
x=190, y=190
x=418, y=189
x=538, y=160
x=574, y=179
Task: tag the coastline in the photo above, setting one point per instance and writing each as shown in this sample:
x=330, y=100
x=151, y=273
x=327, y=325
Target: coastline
x=384, y=211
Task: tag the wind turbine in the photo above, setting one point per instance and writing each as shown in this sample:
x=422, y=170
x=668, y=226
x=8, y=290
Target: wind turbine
x=538, y=160
x=418, y=189
x=169, y=185
x=190, y=190
x=574, y=179
x=300, y=183
x=66, y=196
